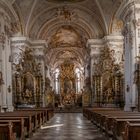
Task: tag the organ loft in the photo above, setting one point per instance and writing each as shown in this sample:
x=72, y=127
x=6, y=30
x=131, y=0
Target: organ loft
x=70, y=69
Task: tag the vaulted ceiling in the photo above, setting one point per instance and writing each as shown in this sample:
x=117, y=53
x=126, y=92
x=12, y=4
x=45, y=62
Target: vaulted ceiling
x=41, y=18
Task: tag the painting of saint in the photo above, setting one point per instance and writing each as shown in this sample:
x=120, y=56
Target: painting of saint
x=68, y=85
x=28, y=81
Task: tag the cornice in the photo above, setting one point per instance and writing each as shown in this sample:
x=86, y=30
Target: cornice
x=106, y=39
x=92, y=42
x=28, y=42
x=114, y=38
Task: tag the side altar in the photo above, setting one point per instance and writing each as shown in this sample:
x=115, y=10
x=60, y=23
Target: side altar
x=27, y=82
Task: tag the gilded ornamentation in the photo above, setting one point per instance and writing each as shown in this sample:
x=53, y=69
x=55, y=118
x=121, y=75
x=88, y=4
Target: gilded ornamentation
x=15, y=27
x=67, y=81
x=67, y=70
x=66, y=14
x=108, y=79
x=28, y=81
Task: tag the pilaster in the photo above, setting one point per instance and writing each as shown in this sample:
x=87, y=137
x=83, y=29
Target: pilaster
x=131, y=45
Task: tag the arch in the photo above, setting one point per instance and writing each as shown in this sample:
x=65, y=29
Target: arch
x=9, y=11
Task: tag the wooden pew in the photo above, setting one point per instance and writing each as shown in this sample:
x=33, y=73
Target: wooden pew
x=36, y=118
x=29, y=121
x=104, y=119
x=119, y=127
x=18, y=125
x=91, y=113
x=45, y=113
x=98, y=117
x=132, y=131
x=109, y=122
x=6, y=132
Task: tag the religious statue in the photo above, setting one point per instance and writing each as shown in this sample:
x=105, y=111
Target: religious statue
x=27, y=97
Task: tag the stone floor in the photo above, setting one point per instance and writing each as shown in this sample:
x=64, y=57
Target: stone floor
x=68, y=126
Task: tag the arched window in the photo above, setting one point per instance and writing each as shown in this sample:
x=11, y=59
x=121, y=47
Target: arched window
x=57, y=80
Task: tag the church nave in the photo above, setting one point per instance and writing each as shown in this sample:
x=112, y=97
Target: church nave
x=62, y=58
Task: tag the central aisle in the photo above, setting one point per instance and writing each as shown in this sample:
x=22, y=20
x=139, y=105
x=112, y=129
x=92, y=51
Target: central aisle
x=68, y=126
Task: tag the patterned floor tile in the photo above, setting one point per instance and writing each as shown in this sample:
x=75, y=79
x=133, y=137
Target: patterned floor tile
x=68, y=126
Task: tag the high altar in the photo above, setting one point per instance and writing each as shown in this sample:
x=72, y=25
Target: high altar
x=67, y=83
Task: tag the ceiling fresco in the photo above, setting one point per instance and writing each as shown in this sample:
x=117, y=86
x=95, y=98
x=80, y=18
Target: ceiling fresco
x=66, y=36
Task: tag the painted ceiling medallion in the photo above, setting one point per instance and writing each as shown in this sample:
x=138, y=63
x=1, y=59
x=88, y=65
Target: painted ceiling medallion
x=66, y=36
x=64, y=1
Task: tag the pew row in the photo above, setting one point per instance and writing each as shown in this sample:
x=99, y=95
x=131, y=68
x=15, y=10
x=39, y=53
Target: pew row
x=24, y=122
x=132, y=131
x=112, y=122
